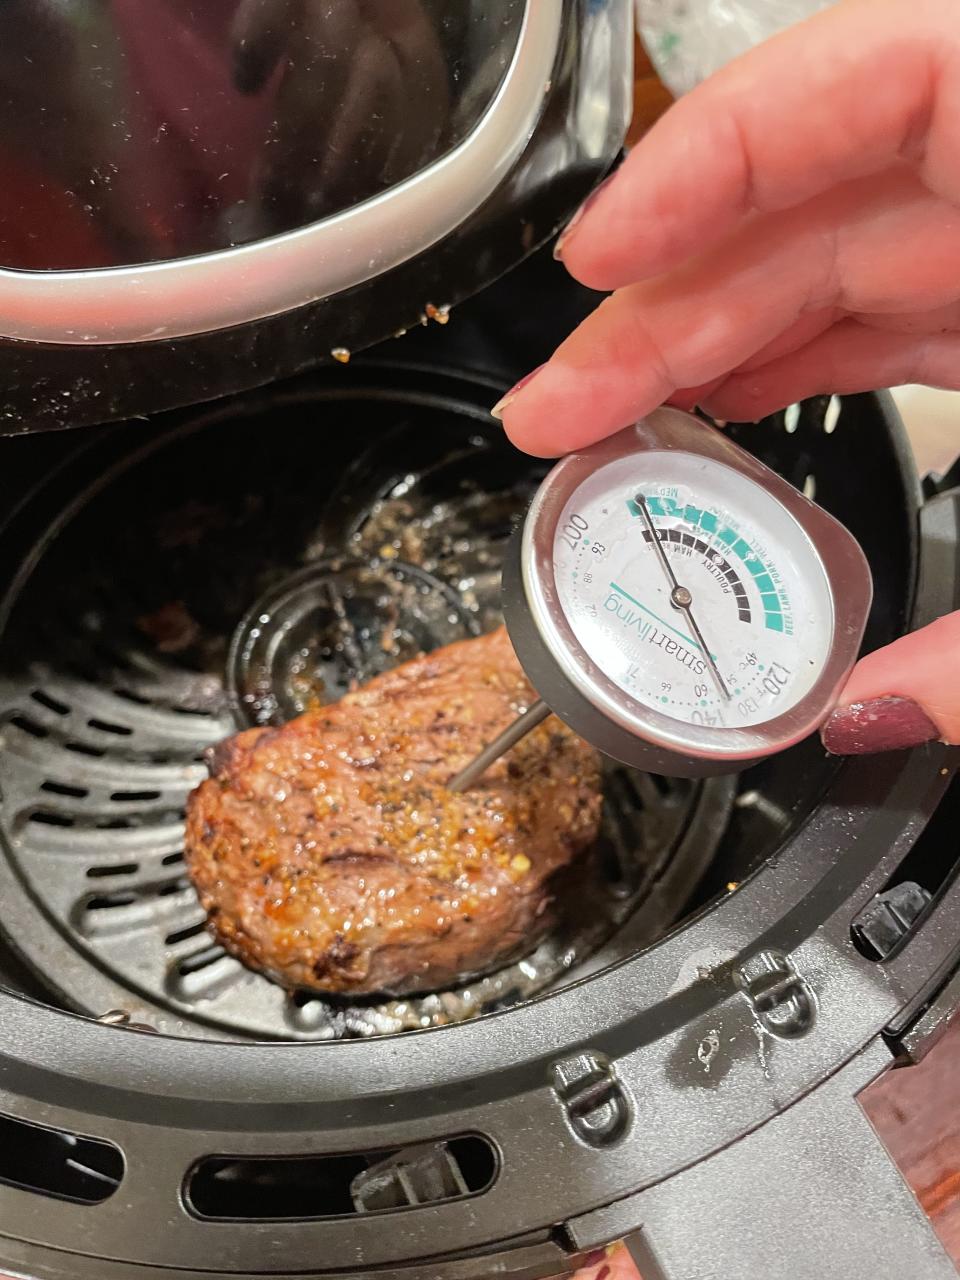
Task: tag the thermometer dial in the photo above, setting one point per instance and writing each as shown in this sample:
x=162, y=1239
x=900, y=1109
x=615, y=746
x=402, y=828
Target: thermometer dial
x=680, y=605
x=758, y=592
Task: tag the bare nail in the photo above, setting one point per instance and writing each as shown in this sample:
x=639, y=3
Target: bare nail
x=564, y=236
x=882, y=724
x=498, y=408
x=592, y=1259
x=686, y=400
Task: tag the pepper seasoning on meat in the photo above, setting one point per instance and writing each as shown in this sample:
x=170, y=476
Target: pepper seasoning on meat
x=330, y=855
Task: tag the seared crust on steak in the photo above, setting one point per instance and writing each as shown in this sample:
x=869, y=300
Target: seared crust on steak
x=329, y=854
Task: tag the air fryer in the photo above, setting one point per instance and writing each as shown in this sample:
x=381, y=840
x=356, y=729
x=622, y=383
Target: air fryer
x=676, y=1066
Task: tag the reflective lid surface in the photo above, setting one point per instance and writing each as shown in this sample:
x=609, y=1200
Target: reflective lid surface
x=136, y=132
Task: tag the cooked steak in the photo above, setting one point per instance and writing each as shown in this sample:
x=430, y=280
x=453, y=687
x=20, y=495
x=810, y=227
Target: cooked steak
x=329, y=854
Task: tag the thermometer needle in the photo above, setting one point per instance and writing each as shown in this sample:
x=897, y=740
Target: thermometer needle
x=680, y=597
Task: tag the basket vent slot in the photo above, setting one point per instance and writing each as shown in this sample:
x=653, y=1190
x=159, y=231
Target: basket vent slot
x=57, y=1163
x=280, y=1188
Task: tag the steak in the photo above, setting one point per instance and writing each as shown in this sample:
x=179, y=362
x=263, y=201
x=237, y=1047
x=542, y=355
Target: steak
x=329, y=854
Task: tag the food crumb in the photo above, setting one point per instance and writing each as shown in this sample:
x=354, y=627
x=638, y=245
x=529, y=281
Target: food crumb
x=440, y=314
x=341, y=354
x=171, y=627
x=732, y=884
x=520, y=863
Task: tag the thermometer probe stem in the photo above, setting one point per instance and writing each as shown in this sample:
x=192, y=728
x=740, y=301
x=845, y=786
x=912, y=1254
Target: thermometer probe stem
x=534, y=715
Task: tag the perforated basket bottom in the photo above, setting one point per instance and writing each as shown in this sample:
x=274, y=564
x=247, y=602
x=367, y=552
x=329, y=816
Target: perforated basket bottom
x=202, y=585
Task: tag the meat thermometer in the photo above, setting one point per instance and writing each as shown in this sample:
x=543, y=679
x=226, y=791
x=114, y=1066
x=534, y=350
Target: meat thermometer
x=679, y=605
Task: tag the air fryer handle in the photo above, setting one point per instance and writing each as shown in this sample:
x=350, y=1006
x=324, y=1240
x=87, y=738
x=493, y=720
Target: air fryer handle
x=938, y=583
x=810, y=1195
x=813, y=1194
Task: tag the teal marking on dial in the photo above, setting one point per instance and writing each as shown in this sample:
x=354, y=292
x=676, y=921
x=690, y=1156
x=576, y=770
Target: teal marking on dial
x=710, y=523
x=656, y=617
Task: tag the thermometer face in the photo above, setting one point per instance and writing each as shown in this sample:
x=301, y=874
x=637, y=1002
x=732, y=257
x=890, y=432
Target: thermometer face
x=693, y=589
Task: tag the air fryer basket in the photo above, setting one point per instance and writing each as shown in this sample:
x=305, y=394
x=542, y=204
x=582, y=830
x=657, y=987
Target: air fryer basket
x=238, y=565
x=268, y=558
x=166, y=583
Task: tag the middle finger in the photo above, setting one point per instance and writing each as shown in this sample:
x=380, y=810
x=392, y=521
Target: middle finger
x=880, y=245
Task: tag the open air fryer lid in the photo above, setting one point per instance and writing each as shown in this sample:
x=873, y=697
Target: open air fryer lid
x=213, y=196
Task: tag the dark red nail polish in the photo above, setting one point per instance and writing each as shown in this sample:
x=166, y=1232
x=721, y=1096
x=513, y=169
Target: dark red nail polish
x=565, y=233
x=603, y=1273
x=502, y=403
x=882, y=724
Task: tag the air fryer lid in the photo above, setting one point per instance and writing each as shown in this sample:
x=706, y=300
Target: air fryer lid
x=229, y=193
x=173, y=129
x=186, y=170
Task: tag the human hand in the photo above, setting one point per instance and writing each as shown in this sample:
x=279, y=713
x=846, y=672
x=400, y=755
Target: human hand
x=792, y=227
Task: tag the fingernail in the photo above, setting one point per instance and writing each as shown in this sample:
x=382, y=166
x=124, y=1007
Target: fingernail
x=603, y=1273
x=882, y=724
x=498, y=408
x=564, y=235
x=684, y=400
x=592, y=1259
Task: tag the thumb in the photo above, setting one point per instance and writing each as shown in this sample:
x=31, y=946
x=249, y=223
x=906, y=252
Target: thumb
x=901, y=696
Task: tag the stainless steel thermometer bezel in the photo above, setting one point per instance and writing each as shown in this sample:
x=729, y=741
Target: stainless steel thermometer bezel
x=602, y=712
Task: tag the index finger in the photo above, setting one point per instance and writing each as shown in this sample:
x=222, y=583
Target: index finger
x=844, y=95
